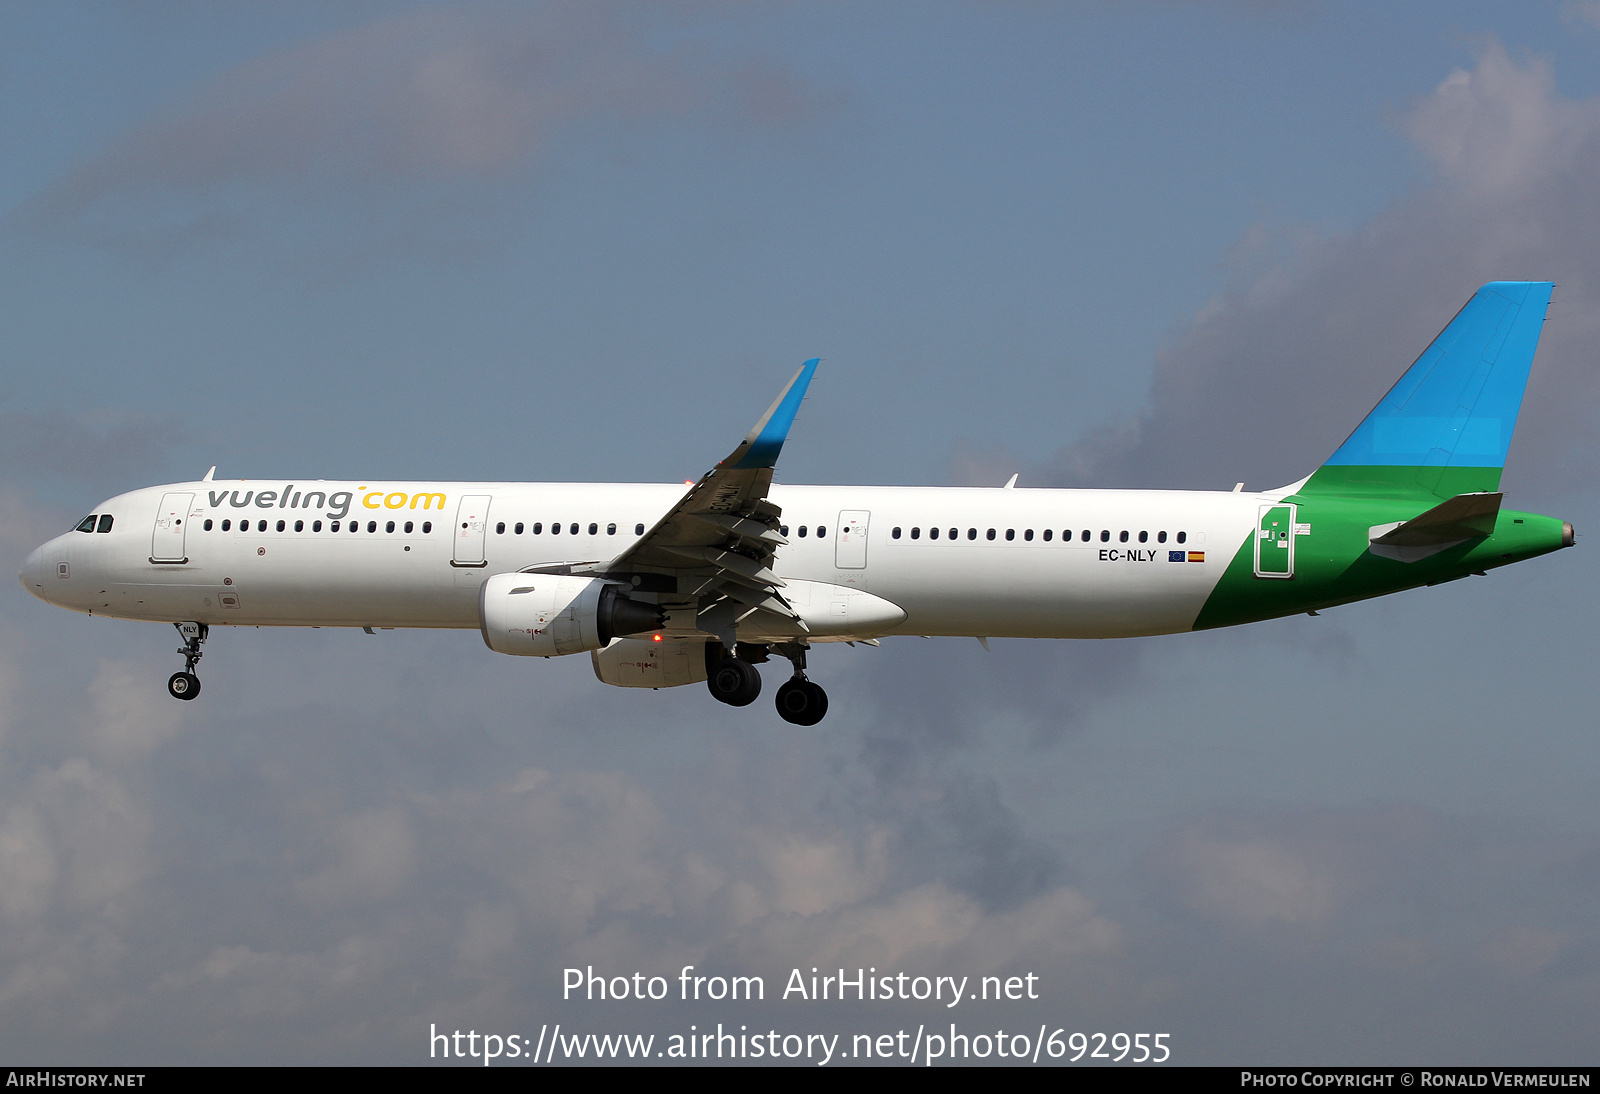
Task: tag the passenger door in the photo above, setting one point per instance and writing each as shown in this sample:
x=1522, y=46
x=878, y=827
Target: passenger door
x=1275, y=541
x=166, y=544
x=472, y=524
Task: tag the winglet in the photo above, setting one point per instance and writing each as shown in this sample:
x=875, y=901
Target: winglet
x=210, y=473
x=761, y=446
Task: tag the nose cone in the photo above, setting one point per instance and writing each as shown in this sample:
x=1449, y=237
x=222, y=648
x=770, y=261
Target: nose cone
x=34, y=572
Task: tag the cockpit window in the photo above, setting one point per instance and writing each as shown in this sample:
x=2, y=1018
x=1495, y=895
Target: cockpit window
x=105, y=523
x=87, y=525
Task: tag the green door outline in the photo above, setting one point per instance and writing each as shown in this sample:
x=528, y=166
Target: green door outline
x=1275, y=541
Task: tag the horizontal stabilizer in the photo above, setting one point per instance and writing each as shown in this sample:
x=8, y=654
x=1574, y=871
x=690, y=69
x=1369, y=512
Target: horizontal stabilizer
x=1463, y=517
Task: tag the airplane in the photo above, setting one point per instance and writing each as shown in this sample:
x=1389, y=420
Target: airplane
x=665, y=587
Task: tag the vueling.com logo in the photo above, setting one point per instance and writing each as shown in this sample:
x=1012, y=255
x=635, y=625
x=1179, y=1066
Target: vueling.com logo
x=338, y=502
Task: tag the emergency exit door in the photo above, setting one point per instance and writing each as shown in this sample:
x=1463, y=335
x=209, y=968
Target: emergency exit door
x=1275, y=541
x=850, y=548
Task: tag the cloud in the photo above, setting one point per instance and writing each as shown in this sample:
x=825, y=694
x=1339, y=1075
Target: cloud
x=94, y=448
x=1271, y=375
x=72, y=841
x=402, y=104
x=128, y=715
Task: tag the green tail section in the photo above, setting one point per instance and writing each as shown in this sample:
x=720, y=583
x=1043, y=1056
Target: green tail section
x=1334, y=563
x=1352, y=531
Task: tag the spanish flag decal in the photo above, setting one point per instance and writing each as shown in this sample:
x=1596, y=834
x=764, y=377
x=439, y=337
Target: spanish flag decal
x=1197, y=556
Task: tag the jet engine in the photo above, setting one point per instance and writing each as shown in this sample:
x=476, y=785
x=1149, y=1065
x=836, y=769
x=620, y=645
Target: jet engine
x=548, y=615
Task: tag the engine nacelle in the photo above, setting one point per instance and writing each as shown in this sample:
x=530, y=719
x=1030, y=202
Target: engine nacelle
x=648, y=663
x=548, y=615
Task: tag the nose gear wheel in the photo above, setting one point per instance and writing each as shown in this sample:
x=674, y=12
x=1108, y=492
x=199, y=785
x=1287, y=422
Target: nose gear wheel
x=186, y=685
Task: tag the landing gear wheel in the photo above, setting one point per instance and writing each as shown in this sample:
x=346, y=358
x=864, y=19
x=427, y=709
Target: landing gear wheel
x=186, y=685
x=734, y=682
x=802, y=703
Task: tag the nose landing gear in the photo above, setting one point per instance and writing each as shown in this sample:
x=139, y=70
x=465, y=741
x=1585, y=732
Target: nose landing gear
x=186, y=685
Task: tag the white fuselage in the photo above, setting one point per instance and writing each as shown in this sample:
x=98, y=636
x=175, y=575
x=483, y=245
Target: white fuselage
x=1126, y=579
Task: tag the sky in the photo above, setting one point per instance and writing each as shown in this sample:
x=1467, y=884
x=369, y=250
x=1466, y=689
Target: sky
x=1096, y=244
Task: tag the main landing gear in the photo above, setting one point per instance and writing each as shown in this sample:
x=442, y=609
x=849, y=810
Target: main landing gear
x=733, y=679
x=185, y=684
x=800, y=701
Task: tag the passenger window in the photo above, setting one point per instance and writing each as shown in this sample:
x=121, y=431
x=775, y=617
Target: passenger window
x=1183, y=537
x=594, y=529
x=1028, y=535
x=573, y=529
x=409, y=526
x=105, y=523
x=499, y=529
x=1085, y=536
x=517, y=529
x=611, y=529
x=372, y=526
x=1105, y=536
x=1144, y=537
x=85, y=525
x=933, y=533
x=227, y=526
x=783, y=530
x=1123, y=537
x=299, y=526
x=261, y=526
x=538, y=527
x=333, y=526
x=916, y=533
x=207, y=524
x=895, y=534
x=638, y=529
x=427, y=526
x=1048, y=532
x=1011, y=533
x=316, y=526
x=954, y=533
x=281, y=526
x=355, y=526
x=555, y=528
x=389, y=527
x=821, y=531
x=990, y=535
x=803, y=531
x=1161, y=537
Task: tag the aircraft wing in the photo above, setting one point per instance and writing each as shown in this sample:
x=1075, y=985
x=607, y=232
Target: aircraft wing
x=721, y=536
